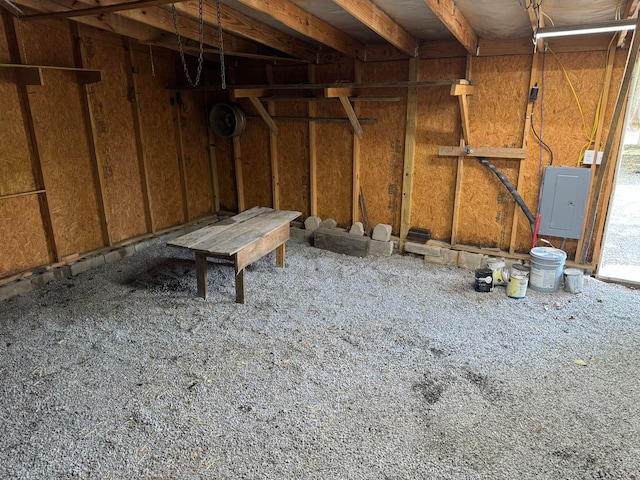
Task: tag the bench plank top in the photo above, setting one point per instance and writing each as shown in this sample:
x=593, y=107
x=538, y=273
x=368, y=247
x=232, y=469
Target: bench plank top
x=228, y=237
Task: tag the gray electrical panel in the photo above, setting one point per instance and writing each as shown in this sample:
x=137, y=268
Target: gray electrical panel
x=565, y=192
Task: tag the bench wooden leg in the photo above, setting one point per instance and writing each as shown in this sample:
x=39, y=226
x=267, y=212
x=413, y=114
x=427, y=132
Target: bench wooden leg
x=240, y=286
x=280, y=255
x=201, y=274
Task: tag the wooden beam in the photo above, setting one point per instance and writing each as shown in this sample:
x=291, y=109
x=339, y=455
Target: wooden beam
x=322, y=86
x=628, y=12
x=32, y=74
x=457, y=89
x=409, y=152
x=536, y=18
x=264, y=114
x=463, y=101
x=489, y=152
x=239, y=24
x=273, y=147
x=313, y=170
x=213, y=163
x=353, y=118
x=377, y=20
x=450, y=15
x=292, y=16
x=249, y=92
x=237, y=162
x=182, y=167
x=616, y=123
x=355, y=189
x=523, y=45
x=101, y=10
x=137, y=129
x=338, y=92
x=79, y=55
x=533, y=79
x=457, y=197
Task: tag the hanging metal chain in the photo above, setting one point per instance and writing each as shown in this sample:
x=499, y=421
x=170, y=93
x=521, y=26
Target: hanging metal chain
x=153, y=67
x=221, y=42
x=193, y=83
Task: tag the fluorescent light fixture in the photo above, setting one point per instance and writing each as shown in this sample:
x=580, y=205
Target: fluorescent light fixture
x=604, y=27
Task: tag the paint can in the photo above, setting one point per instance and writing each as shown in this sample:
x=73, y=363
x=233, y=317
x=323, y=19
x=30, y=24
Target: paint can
x=518, y=280
x=573, y=280
x=499, y=271
x=484, y=280
x=547, y=264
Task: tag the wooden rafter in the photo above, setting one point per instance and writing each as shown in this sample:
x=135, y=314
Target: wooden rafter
x=377, y=20
x=238, y=24
x=457, y=24
x=309, y=25
x=102, y=9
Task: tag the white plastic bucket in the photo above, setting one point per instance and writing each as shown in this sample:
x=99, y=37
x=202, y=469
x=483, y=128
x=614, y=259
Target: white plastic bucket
x=547, y=264
x=573, y=280
x=518, y=279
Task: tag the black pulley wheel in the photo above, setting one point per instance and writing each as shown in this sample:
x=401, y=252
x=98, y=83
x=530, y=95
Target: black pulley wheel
x=227, y=120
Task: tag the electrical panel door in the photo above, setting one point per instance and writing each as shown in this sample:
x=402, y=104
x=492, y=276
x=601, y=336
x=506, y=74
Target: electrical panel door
x=565, y=191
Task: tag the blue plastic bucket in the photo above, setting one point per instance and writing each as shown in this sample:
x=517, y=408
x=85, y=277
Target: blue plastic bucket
x=547, y=264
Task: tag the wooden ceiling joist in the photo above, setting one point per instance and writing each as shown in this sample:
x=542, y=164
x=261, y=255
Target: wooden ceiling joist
x=309, y=25
x=377, y=20
x=238, y=24
x=102, y=9
x=457, y=24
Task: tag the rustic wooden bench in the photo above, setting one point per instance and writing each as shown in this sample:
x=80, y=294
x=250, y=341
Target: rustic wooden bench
x=243, y=238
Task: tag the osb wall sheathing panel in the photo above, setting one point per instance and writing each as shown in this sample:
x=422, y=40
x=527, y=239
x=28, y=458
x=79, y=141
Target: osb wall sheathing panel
x=382, y=149
x=563, y=129
x=22, y=235
x=293, y=146
x=62, y=141
x=196, y=156
x=115, y=139
x=256, y=162
x=334, y=151
x=158, y=136
x=497, y=115
x=438, y=124
x=16, y=174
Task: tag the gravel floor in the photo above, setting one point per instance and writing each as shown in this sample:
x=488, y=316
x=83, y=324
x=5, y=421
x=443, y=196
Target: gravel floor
x=335, y=368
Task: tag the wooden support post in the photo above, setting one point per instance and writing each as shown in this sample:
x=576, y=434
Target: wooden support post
x=409, y=151
x=213, y=165
x=182, y=168
x=596, y=143
x=17, y=55
x=240, y=286
x=616, y=123
x=202, y=278
x=355, y=191
x=457, y=197
x=313, y=172
x=237, y=162
x=533, y=78
x=280, y=252
x=463, y=103
x=90, y=127
x=137, y=127
x=273, y=148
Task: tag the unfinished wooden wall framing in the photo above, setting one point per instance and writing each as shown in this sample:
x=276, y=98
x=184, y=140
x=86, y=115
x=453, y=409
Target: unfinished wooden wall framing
x=86, y=166
x=80, y=169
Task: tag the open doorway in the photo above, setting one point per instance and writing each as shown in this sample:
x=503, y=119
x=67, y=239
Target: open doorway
x=620, y=259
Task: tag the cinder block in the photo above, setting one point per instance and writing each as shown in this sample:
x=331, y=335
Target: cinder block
x=12, y=289
x=450, y=257
x=328, y=223
x=357, y=229
x=471, y=261
x=299, y=234
x=376, y=247
x=341, y=242
x=439, y=260
x=86, y=264
x=422, y=249
x=382, y=232
x=311, y=224
x=43, y=278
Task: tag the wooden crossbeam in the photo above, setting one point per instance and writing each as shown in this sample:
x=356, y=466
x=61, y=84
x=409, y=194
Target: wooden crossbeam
x=264, y=114
x=351, y=114
x=101, y=10
x=489, y=152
